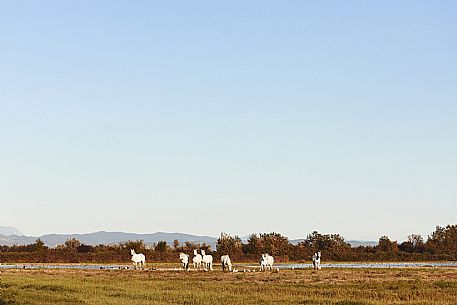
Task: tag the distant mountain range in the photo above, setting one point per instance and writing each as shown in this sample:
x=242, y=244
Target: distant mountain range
x=364, y=243
x=353, y=243
x=11, y=236
x=7, y=231
x=102, y=237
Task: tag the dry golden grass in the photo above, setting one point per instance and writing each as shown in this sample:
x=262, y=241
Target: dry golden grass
x=327, y=286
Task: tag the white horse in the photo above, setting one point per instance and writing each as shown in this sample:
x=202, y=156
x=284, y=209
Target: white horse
x=266, y=262
x=226, y=262
x=317, y=261
x=184, y=260
x=207, y=261
x=197, y=260
x=138, y=259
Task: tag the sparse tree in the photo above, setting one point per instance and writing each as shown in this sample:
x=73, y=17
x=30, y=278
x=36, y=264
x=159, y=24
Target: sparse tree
x=175, y=244
x=39, y=245
x=72, y=243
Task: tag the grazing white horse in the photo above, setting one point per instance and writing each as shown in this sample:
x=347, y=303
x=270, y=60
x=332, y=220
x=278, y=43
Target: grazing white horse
x=207, y=261
x=184, y=260
x=226, y=262
x=138, y=259
x=197, y=260
x=317, y=261
x=266, y=262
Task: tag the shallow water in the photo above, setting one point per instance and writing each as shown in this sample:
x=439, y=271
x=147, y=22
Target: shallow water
x=372, y=265
x=75, y=266
x=279, y=266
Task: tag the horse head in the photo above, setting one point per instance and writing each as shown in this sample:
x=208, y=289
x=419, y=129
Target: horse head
x=132, y=252
x=183, y=257
x=262, y=259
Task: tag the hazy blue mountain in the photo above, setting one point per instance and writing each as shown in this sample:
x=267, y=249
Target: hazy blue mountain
x=102, y=237
x=8, y=231
x=358, y=243
x=353, y=243
x=296, y=241
x=12, y=240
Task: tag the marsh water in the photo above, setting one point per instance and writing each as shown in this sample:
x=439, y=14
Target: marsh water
x=241, y=266
x=373, y=265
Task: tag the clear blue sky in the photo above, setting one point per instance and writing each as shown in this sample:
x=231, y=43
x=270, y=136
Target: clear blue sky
x=234, y=116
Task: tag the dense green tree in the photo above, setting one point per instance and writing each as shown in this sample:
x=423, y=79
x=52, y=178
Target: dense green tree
x=443, y=241
x=254, y=245
x=161, y=246
x=386, y=245
x=227, y=244
x=332, y=246
x=275, y=244
x=272, y=243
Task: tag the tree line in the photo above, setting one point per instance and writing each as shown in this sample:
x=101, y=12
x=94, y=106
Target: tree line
x=441, y=244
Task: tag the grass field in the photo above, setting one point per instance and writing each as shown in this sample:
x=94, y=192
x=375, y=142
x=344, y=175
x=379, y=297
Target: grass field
x=327, y=286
